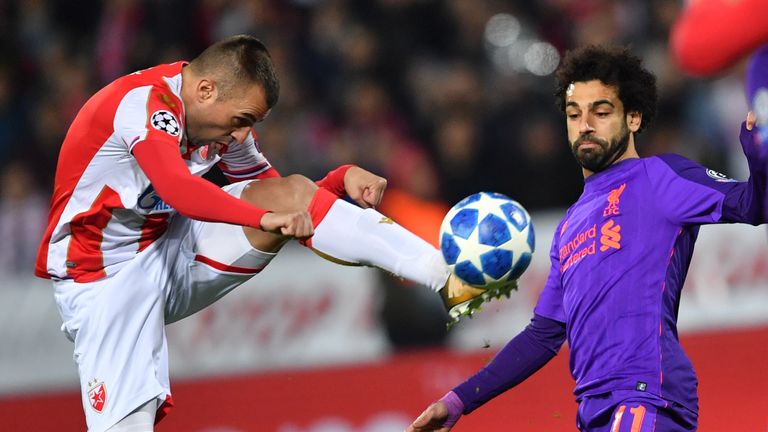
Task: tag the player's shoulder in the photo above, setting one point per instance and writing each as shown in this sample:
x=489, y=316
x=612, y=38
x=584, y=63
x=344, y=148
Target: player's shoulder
x=162, y=79
x=675, y=165
x=158, y=89
x=669, y=159
x=670, y=163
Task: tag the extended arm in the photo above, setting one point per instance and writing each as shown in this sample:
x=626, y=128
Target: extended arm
x=744, y=203
x=190, y=195
x=525, y=354
x=688, y=193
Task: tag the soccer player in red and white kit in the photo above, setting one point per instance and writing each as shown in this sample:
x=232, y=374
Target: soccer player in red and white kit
x=137, y=239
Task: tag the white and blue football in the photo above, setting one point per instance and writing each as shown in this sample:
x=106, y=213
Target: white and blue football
x=487, y=239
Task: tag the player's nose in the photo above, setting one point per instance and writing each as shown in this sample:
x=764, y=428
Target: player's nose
x=585, y=126
x=240, y=134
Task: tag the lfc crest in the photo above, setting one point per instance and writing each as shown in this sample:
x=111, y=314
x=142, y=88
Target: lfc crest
x=97, y=395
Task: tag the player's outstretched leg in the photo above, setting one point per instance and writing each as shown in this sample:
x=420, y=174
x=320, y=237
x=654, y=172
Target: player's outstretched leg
x=346, y=233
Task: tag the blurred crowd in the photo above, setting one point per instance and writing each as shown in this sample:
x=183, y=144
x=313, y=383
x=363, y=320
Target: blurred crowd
x=444, y=98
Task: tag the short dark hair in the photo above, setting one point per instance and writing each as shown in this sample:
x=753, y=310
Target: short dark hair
x=613, y=66
x=238, y=60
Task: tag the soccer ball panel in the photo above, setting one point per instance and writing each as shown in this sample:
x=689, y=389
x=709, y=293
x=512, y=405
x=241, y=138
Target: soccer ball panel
x=464, y=222
x=470, y=274
x=493, y=231
x=496, y=263
x=449, y=248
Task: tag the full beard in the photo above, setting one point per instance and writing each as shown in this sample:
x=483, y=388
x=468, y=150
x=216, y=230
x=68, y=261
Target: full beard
x=597, y=159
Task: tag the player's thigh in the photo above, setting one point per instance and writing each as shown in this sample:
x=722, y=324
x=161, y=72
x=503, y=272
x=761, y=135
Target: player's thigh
x=214, y=259
x=120, y=345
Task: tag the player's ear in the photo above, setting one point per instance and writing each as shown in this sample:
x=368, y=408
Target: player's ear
x=634, y=120
x=206, y=90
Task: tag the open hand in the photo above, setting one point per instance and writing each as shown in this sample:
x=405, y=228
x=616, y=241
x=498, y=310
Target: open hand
x=432, y=419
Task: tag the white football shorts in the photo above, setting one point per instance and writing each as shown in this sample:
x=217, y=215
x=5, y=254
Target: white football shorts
x=118, y=323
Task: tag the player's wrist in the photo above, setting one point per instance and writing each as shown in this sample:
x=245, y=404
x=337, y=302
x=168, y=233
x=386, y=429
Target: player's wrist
x=455, y=408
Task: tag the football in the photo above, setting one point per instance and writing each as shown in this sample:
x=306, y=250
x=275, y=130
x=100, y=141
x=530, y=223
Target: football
x=487, y=240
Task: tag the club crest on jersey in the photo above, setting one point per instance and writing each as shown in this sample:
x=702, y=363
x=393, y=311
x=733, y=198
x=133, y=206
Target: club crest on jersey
x=97, y=395
x=614, y=198
x=719, y=177
x=165, y=121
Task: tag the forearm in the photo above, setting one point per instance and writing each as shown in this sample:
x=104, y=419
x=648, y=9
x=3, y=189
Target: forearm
x=525, y=354
x=334, y=181
x=191, y=196
x=745, y=202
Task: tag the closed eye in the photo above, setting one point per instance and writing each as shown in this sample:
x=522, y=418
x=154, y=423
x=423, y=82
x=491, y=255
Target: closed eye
x=240, y=122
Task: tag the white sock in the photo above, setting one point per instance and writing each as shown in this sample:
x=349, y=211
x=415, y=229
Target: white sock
x=365, y=236
x=141, y=420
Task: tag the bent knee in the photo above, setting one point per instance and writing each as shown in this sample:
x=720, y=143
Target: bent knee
x=293, y=192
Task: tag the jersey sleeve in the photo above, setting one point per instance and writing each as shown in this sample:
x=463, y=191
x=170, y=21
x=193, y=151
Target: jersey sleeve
x=688, y=193
x=550, y=303
x=246, y=161
x=149, y=113
x=190, y=195
x=334, y=181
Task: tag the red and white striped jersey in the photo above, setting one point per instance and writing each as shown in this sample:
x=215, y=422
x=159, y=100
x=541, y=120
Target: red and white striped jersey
x=104, y=209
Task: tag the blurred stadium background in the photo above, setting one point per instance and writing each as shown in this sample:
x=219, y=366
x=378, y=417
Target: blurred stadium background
x=444, y=98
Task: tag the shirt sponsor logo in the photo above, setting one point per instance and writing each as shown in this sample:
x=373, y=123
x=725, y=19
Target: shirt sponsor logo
x=584, y=243
x=165, y=121
x=611, y=236
x=150, y=202
x=97, y=395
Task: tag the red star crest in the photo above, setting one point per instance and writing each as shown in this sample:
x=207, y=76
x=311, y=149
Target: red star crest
x=97, y=395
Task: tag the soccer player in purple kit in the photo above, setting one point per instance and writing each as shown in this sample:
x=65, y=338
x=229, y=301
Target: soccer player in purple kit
x=619, y=259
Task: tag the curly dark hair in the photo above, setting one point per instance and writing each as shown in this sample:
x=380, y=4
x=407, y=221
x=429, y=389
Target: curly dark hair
x=613, y=66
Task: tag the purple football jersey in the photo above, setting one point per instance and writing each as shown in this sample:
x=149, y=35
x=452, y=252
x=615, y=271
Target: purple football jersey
x=619, y=259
